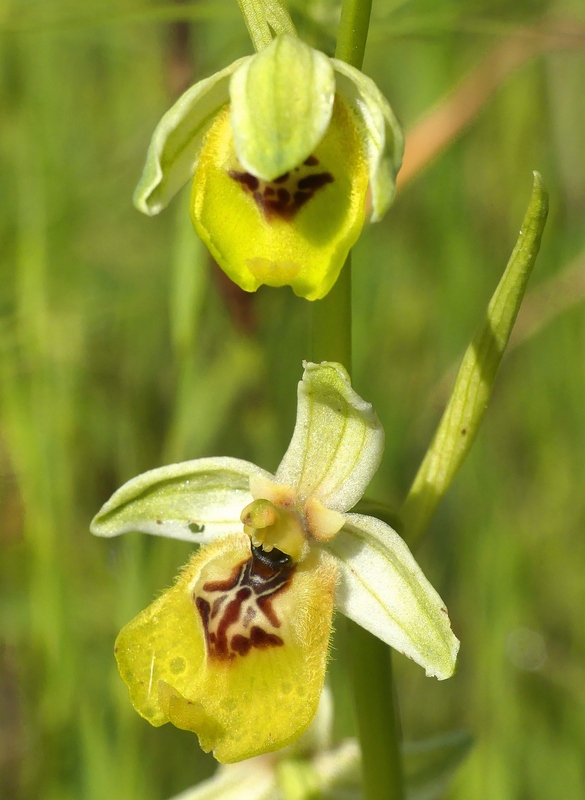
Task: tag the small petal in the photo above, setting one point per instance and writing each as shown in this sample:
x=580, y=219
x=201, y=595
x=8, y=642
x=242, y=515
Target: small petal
x=236, y=655
x=382, y=134
x=294, y=231
x=281, y=106
x=323, y=523
x=195, y=501
x=383, y=589
x=175, y=144
x=268, y=489
x=337, y=442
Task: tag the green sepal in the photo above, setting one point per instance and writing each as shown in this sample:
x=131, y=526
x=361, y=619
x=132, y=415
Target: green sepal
x=381, y=132
x=174, y=148
x=281, y=106
x=195, y=501
x=337, y=442
x=383, y=589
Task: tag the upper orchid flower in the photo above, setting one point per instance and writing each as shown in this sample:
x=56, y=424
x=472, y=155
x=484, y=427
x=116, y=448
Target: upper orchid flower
x=237, y=649
x=288, y=150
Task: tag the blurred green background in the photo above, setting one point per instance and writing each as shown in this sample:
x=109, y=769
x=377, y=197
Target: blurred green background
x=122, y=347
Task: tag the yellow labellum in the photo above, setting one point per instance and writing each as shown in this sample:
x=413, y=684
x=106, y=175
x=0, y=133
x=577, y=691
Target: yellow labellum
x=235, y=651
x=296, y=230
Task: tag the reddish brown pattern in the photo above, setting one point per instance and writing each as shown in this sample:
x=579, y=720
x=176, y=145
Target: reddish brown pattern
x=276, y=199
x=252, y=585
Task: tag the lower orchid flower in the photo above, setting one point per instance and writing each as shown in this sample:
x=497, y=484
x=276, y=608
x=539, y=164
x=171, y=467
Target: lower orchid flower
x=236, y=650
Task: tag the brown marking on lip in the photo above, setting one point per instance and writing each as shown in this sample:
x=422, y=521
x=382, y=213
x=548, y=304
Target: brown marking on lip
x=301, y=198
x=262, y=640
x=265, y=606
x=229, y=616
x=314, y=182
x=217, y=604
x=251, y=182
x=245, y=596
x=224, y=586
x=241, y=644
x=288, y=193
x=249, y=616
x=203, y=609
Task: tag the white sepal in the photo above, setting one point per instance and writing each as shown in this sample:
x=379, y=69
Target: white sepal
x=337, y=442
x=174, y=148
x=381, y=131
x=195, y=501
x=383, y=589
x=281, y=106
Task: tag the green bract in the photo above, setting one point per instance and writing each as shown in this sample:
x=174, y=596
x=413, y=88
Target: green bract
x=237, y=649
x=476, y=377
x=288, y=150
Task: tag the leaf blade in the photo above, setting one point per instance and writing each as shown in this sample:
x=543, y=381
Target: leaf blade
x=476, y=377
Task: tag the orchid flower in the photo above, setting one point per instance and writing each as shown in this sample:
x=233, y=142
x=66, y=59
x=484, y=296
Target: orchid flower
x=288, y=151
x=236, y=650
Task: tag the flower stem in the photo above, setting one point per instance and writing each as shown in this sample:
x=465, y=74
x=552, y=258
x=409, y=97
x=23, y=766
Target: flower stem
x=353, y=31
x=371, y=667
x=331, y=322
x=371, y=670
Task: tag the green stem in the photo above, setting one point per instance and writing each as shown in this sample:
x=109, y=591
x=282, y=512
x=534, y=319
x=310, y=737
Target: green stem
x=331, y=322
x=353, y=31
x=371, y=671
x=371, y=667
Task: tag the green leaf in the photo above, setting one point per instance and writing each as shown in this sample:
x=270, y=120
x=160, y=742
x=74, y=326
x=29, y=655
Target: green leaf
x=281, y=106
x=175, y=144
x=195, y=501
x=475, y=380
x=337, y=442
x=383, y=589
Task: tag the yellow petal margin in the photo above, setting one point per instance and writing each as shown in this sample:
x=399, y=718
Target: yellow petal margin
x=296, y=230
x=235, y=651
